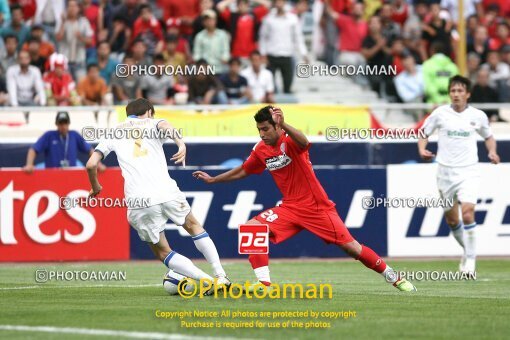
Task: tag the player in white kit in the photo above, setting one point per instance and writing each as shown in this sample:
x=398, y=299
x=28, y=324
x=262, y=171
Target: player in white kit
x=146, y=177
x=457, y=155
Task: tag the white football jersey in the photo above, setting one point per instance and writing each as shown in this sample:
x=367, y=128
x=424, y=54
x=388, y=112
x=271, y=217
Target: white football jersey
x=457, y=134
x=142, y=161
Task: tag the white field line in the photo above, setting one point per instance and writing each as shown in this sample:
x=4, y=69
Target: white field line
x=43, y=285
x=103, y=332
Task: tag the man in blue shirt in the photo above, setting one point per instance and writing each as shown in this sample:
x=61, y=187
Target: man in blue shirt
x=60, y=147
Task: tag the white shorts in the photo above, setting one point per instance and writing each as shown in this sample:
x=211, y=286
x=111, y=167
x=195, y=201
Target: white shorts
x=151, y=221
x=458, y=184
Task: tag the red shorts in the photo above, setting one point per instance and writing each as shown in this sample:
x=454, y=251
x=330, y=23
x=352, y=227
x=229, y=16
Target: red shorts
x=286, y=221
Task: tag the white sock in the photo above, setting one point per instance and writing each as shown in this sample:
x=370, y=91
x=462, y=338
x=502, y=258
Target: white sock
x=390, y=275
x=206, y=246
x=470, y=240
x=183, y=265
x=262, y=273
x=458, y=233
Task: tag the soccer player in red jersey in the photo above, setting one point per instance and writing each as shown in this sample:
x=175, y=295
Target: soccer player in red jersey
x=305, y=205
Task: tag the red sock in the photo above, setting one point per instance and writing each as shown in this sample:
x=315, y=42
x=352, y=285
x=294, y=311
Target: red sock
x=371, y=260
x=258, y=260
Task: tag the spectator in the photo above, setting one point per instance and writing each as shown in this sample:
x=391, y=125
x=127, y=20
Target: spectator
x=198, y=24
x=471, y=25
x=158, y=88
x=473, y=64
x=352, y=30
x=212, y=44
x=148, y=29
x=126, y=88
x=437, y=72
x=435, y=29
x=24, y=83
x=505, y=54
x=502, y=36
x=9, y=56
x=243, y=25
x=129, y=10
x=412, y=31
x=185, y=11
x=172, y=56
x=280, y=38
x=491, y=19
x=106, y=64
x=503, y=6
x=34, y=47
x=74, y=35
x=377, y=54
x=471, y=7
x=234, y=84
x=409, y=83
x=16, y=26
x=400, y=12
x=480, y=44
x=46, y=48
x=172, y=29
x=390, y=29
x=60, y=86
x=204, y=88
x=119, y=37
x=139, y=50
x=94, y=15
x=92, y=88
x=260, y=80
x=397, y=50
x=482, y=92
x=49, y=14
x=499, y=74
x=60, y=147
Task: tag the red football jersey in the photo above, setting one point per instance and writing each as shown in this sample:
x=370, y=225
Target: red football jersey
x=292, y=171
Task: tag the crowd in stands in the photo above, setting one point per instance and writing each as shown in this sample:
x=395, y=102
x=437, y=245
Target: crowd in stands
x=56, y=52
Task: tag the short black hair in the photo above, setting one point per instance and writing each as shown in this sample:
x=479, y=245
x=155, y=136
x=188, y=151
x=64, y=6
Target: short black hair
x=139, y=106
x=264, y=115
x=16, y=7
x=460, y=80
x=159, y=57
x=438, y=47
x=201, y=62
x=101, y=42
x=144, y=6
x=234, y=60
x=92, y=65
x=32, y=39
x=10, y=36
x=254, y=53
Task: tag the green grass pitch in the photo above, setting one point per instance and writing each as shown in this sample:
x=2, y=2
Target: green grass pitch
x=439, y=310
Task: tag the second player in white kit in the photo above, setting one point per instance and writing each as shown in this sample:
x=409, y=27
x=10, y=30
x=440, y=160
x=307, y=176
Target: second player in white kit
x=145, y=171
x=458, y=178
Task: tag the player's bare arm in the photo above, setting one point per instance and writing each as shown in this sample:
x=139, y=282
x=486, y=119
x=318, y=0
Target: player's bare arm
x=490, y=144
x=297, y=136
x=229, y=176
x=92, y=165
x=425, y=154
x=180, y=156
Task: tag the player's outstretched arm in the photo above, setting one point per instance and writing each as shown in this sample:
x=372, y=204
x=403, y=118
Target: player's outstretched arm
x=490, y=144
x=297, y=136
x=92, y=166
x=231, y=175
x=425, y=154
x=180, y=155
